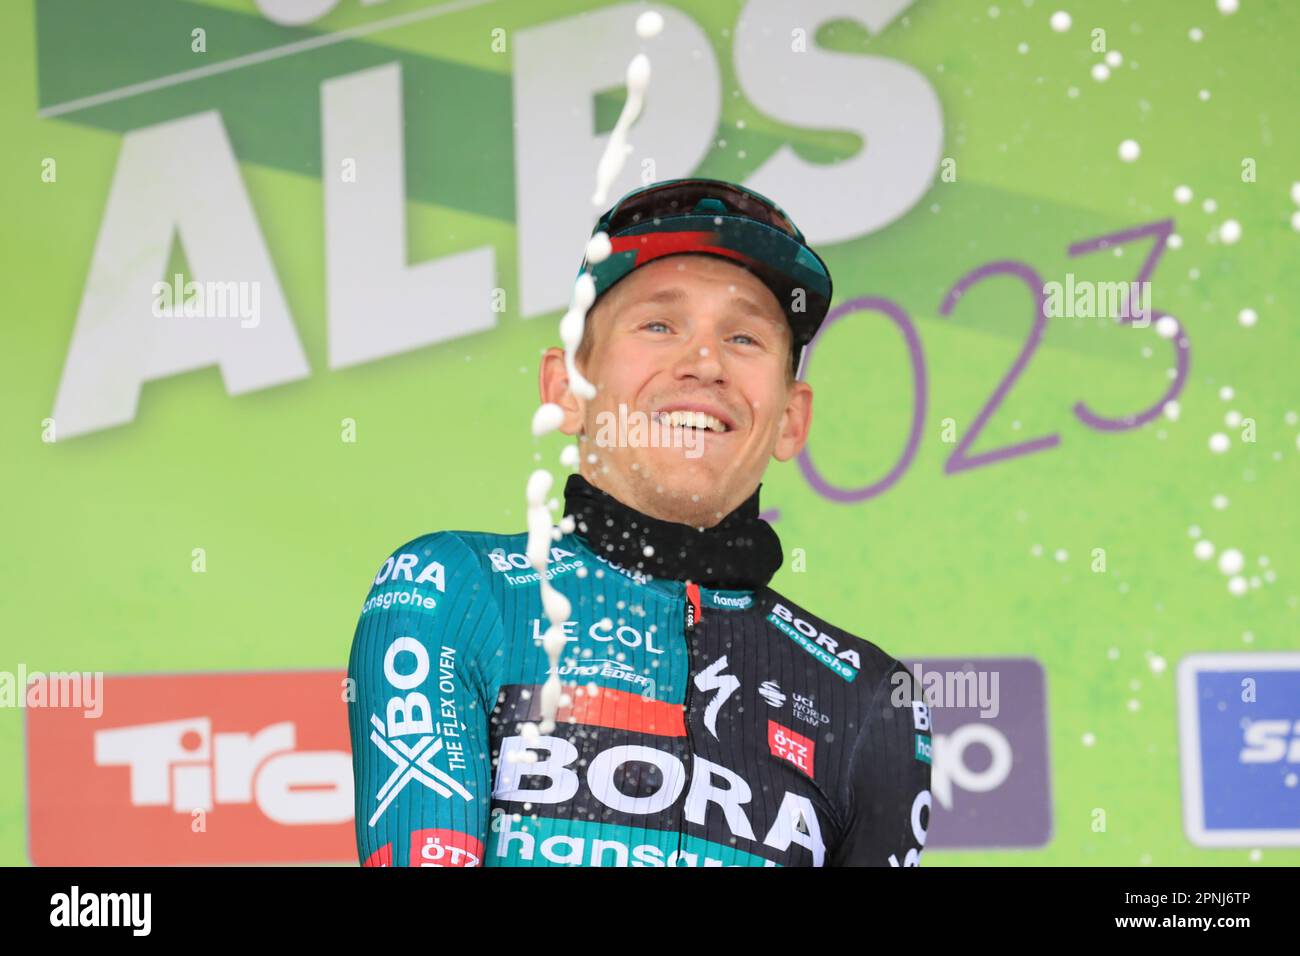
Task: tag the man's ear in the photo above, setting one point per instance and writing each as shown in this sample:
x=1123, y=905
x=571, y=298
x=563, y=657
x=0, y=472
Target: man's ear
x=796, y=420
x=553, y=385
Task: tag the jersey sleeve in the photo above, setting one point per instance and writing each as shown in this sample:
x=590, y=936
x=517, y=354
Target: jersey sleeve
x=421, y=673
x=889, y=779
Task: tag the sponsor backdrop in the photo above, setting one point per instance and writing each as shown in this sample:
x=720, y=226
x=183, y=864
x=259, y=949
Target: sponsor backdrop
x=381, y=206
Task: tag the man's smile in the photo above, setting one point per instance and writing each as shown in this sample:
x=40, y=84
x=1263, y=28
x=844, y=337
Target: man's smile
x=694, y=415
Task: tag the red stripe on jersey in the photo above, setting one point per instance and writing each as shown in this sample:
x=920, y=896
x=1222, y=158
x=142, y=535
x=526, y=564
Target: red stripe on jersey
x=597, y=706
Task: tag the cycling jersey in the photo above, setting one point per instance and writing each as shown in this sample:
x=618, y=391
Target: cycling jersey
x=707, y=719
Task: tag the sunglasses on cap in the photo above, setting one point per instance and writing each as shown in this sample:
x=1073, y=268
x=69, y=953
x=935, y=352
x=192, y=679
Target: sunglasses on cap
x=683, y=197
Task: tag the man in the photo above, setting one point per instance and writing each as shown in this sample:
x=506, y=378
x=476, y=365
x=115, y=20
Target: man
x=707, y=719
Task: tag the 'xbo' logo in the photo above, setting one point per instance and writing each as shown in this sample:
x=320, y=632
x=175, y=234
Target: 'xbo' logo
x=411, y=714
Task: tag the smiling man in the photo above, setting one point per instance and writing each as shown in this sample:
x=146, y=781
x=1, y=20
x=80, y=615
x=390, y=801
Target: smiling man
x=692, y=343
x=707, y=720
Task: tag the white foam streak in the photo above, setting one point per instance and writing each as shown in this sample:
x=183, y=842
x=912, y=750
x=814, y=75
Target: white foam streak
x=547, y=418
x=571, y=326
x=556, y=604
x=539, y=486
x=617, y=149
x=539, y=520
x=550, y=416
x=550, y=703
x=599, y=247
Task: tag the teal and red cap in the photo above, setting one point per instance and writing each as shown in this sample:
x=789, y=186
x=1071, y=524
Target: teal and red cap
x=717, y=218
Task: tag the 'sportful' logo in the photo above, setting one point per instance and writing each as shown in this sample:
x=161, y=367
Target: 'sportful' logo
x=1239, y=722
x=1271, y=741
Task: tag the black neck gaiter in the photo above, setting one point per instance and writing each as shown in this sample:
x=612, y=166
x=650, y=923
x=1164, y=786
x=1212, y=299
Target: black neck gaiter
x=741, y=552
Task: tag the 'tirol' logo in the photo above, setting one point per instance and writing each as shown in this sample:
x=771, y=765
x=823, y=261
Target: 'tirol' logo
x=184, y=765
x=197, y=770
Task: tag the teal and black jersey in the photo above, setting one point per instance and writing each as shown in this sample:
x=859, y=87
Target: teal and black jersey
x=700, y=726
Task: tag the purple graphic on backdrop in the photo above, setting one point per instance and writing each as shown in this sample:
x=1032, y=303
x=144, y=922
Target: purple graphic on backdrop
x=991, y=780
x=962, y=458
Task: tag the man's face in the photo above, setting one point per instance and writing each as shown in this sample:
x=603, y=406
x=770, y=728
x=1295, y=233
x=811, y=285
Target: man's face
x=687, y=333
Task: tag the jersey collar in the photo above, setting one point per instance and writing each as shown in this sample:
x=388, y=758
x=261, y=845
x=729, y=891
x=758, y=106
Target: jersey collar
x=741, y=552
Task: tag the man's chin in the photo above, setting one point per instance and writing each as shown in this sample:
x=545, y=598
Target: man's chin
x=690, y=485
x=681, y=469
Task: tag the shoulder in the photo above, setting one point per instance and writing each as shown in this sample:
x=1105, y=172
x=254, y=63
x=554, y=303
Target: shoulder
x=425, y=560
x=437, y=556
x=865, y=664
x=437, y=586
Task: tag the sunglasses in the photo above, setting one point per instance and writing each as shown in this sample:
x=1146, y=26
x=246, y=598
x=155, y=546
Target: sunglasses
x=696, y=197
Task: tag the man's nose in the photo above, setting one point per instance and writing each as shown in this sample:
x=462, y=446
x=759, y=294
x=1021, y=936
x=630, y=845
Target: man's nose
x=701, y=358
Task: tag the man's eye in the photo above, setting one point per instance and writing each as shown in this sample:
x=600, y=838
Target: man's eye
x=652, y=324
x=749, y=339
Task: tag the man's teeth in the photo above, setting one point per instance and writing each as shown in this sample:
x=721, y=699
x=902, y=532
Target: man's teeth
x=692, y=420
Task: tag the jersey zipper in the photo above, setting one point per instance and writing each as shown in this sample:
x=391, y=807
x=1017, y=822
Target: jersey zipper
x=692, y=619
x=693, y=614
